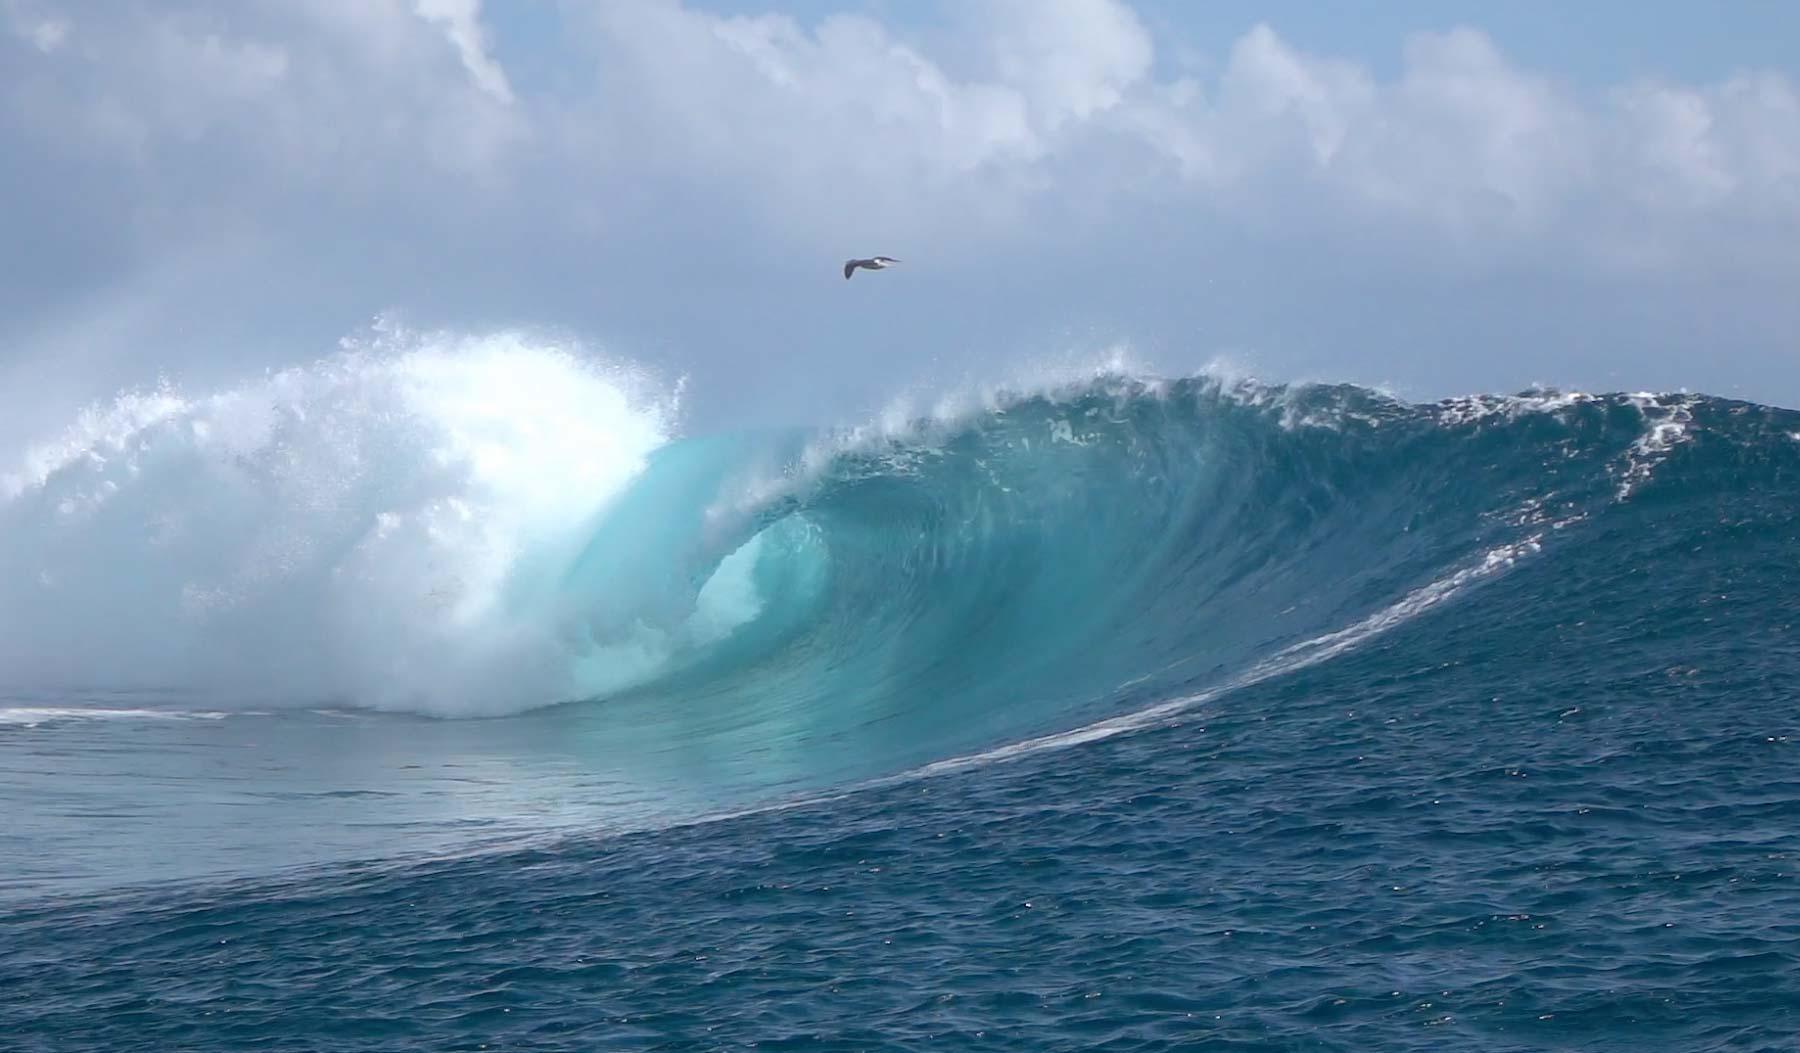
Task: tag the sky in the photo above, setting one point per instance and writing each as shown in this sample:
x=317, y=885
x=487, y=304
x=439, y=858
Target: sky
x=1434, y=198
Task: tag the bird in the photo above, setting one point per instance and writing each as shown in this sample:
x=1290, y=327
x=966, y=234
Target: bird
x=874, y=263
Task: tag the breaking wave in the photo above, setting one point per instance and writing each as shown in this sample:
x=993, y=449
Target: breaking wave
x=480, y=526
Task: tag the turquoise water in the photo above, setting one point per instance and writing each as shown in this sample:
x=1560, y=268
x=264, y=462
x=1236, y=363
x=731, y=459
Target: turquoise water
x=1132, y=715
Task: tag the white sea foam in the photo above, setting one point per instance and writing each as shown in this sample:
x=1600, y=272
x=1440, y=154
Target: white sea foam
x=360, y=529
x=1666, y=422
x=38, y=716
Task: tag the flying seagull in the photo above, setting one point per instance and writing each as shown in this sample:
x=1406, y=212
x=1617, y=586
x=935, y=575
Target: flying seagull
x=874, y=264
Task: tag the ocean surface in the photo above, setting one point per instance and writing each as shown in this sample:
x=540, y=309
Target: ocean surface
x=446, y=695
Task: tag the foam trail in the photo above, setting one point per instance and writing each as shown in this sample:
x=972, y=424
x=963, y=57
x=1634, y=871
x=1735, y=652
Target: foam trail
x=38, y=716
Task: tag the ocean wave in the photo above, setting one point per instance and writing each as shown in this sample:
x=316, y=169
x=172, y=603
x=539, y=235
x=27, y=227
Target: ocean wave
x=466, y=526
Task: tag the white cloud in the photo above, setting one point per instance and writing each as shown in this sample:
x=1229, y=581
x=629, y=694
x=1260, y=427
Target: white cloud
x=811, y=126
x=27, y=21
x=384, y=154
x=49, y=34
x=1464, y=149
x=1700, y=148
x=314, y=92
x=1072, y=60
x=829, y=122
x=461, y=22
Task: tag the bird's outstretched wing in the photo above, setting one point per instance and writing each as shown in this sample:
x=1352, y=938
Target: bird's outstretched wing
x=849, y=269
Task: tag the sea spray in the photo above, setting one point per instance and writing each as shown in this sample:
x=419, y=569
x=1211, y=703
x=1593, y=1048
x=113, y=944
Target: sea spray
x=347, y=530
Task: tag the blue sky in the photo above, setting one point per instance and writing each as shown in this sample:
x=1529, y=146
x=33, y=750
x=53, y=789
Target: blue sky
x=1433, y=197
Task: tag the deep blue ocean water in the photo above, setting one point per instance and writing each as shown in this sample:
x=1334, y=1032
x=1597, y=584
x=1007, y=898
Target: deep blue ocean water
x=1132, y=716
